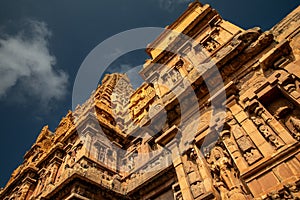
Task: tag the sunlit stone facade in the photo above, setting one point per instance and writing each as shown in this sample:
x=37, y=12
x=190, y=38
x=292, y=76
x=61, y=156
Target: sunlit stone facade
x=167, y=140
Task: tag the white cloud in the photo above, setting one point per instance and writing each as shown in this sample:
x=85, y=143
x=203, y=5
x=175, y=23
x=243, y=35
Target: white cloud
x=27, y=67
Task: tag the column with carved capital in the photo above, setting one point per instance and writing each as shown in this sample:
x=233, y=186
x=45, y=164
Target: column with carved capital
x=180, y=171
x=204, y=172
x=27, y=187
x=282, y=134
x=233, y=149
x=225, y=175
x=170, y=139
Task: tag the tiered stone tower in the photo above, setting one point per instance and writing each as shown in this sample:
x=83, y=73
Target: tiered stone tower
x=173, y=138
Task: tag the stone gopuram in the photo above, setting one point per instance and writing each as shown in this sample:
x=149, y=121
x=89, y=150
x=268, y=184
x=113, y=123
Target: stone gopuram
x=218, y=117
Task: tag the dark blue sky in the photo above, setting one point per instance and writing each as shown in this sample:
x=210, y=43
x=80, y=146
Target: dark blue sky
x=34, y=88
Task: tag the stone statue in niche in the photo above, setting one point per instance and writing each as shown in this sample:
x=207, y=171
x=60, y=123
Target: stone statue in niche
x=211, y=44
x=224, y=174
x=288, y=114
x=43, y=178
x=221, y=165
x=165, y=79
x=246, y=146
x=270, y=136
x=175, y=75
x=171, y=77
x=72, y=154
x=295, y=122
x=193, y=174
x=252, y=156
x=101, y=154
x=197, y=189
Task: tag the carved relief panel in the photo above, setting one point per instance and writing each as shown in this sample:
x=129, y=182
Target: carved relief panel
x=224, y=174
x=265, y=125
x=104, y=154
x=285, y=110
x=232, y=135
x=211, y=44
x=216, y=36
x=194, y=178
x=140, y=101
x=171, y=78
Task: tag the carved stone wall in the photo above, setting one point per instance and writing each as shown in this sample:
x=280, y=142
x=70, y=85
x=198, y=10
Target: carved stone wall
x=116, y=145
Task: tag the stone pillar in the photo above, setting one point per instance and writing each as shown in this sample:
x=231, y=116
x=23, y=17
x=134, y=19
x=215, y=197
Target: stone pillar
x=88, y=143
x=204, y=172
x=251, y=130
x=27, y=187
x=225, y=176
x=55, y=168
x=180, y=171
x=274, y=124
x=236, y=139
x=193, y=175
x=24, y=190
x=233, y=150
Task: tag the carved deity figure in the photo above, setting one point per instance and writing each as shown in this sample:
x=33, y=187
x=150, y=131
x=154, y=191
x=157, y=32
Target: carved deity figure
x=220, y=164
x=197, y=189
x=270, y=136
x=252, y=156
x=295, y=122
x=193, y=174
x=288, y=114
x=211, y=44
x=225, y=177
x=175, y=76
x=273, y=139
x=43, y=178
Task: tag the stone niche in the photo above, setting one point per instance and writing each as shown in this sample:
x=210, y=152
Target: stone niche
x=284, y=109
